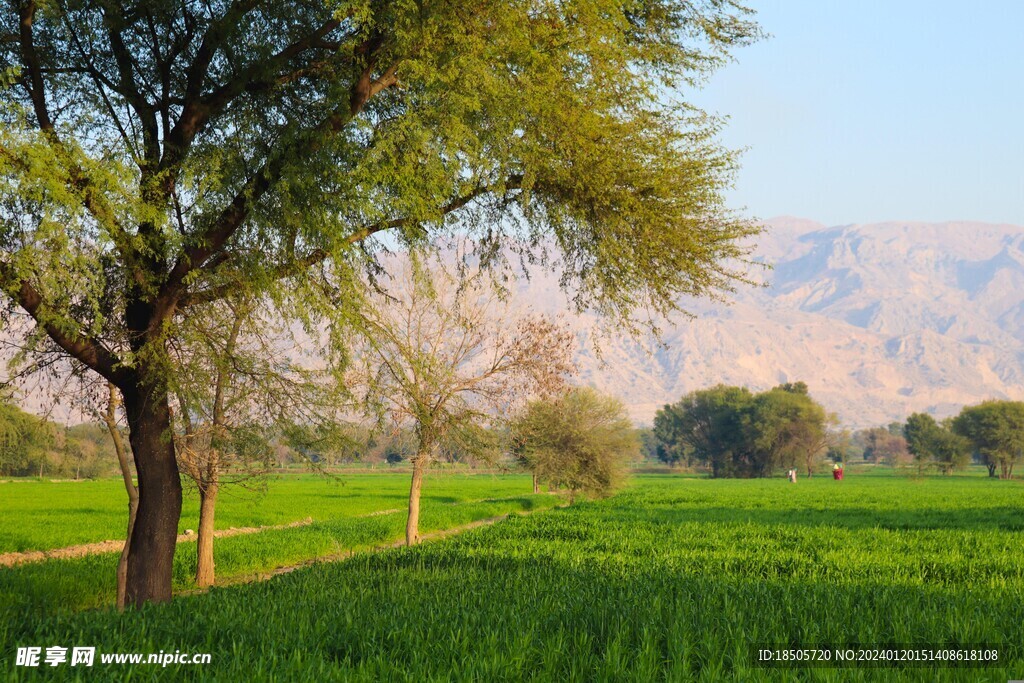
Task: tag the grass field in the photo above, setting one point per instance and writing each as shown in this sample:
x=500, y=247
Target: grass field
x=59, y=514
x=675, y=579
x=340, y=508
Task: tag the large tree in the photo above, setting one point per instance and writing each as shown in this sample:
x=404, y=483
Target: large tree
x=785, y=426
x=995, y=429
x=741, y=434
x=935, y=443
x=156, y=155
x=708, y=424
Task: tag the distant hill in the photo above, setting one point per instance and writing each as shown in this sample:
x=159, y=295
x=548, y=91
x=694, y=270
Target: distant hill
x=880, y=320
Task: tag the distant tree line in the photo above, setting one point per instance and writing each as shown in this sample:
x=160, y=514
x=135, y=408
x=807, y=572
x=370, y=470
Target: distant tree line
x=32, y=446
x=990, y=433
x=737, y=433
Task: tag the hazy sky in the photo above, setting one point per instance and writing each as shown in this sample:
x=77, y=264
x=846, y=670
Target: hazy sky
x=857, y=112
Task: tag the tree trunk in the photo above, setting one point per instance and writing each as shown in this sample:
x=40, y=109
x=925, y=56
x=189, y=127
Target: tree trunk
x=110, y=417
x=151, y=553
x=991, y=469
x=204, y=549
x=536, y=484
x=412, y=526
x=122, y=563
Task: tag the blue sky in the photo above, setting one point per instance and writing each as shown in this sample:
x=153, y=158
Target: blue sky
x=857, y=112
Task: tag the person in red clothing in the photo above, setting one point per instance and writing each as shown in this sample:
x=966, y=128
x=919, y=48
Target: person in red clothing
x=837, y=472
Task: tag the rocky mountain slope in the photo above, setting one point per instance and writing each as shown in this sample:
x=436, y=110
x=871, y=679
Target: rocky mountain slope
x=879, y=320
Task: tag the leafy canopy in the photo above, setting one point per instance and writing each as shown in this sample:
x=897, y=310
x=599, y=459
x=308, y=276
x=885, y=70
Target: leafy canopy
x=933, y=443
x=995, y=429
x=581, y=441
x=157, y=155
x=741, y=434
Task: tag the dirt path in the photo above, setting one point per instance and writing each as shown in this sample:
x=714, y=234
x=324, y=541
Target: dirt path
x=338, y=557
x=71, y=552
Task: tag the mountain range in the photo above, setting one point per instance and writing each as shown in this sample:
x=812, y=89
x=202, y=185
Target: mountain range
x=879, y=320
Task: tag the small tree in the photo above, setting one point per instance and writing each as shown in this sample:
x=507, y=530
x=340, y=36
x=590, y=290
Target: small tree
x=235, y=378
x=839, y=445
x=445, y=355
x=110, y=419
x=581, y=441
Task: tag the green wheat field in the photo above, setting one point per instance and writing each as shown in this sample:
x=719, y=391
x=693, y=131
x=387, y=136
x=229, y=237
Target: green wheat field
x=675, y=579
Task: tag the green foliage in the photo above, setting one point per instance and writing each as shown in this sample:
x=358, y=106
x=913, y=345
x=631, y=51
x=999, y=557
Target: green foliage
x=25, y=441
x=709, y=423
x=935, y=444
x=648, y=443
x=146, y=169
x=785, y=427
x=580, y=441
x=995, y=429
x=669, y=445
x=739, y=434
x=324, y=442
x=159, y=156
x=674, y=580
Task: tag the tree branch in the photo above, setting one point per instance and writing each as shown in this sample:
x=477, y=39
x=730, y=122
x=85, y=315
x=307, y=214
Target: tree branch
x=92, y=199
x=34, y=85
x=198, y=110
x=127, y=89
x=211, y=241
x=87, y=350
